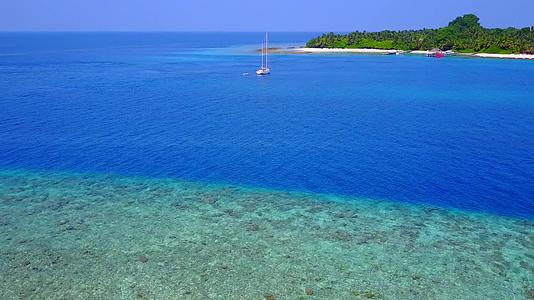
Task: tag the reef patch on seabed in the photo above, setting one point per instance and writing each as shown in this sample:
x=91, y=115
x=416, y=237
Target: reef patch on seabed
x=75, y=236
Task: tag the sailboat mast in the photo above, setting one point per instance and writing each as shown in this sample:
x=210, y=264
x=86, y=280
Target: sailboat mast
x=266, y=49
x=264, y=70
x=262, y=55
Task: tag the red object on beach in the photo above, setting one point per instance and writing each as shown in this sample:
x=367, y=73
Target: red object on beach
x=440, y=55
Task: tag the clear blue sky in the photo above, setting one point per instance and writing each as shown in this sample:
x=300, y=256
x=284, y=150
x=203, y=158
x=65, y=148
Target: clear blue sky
x=254, y=15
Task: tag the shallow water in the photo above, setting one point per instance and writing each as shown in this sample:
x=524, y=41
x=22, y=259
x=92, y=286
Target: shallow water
x=66, y=235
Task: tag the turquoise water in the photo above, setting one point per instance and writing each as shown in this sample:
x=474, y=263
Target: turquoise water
x=81, y=236
x=147, y=166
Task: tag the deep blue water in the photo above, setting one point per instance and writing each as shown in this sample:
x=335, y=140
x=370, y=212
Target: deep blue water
x=453, y=132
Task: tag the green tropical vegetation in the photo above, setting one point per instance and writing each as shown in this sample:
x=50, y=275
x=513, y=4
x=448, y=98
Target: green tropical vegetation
x=464, y=34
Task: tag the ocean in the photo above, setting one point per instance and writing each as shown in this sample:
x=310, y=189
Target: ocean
x=151, y=165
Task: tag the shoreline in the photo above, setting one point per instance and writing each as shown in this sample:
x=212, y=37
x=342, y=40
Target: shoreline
x=345, y=50
x=506, y=56
x=306, y=50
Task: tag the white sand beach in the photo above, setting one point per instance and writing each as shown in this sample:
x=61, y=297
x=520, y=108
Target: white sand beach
x=418, y=52
x=508, y=56
x=483, y=55
x=422, y=52
x=344, y=50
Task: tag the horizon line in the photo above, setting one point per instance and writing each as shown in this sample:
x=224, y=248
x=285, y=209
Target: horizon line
x=225, y=31
x=163, y=31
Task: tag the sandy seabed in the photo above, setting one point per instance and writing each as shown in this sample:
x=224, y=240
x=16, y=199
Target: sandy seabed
x=76, y=236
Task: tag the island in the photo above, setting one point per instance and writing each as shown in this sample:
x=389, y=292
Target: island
x=464, y=35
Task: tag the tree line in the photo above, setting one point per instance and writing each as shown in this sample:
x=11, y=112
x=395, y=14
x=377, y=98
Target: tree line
x=464, y=34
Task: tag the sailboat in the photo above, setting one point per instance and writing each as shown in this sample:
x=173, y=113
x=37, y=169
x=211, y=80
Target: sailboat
x=264, y=70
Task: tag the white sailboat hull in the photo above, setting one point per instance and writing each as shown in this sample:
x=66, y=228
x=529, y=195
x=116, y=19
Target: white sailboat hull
x=263, y=71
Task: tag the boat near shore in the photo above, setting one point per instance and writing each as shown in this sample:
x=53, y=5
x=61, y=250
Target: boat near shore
x=435, y=53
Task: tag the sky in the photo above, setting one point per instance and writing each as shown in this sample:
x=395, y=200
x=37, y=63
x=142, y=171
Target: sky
x=255, y=15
